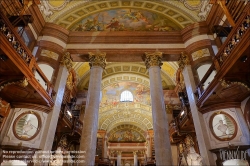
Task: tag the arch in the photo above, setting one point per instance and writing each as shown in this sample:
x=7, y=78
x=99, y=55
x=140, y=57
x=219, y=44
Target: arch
x=47, y=70
x=202, y=70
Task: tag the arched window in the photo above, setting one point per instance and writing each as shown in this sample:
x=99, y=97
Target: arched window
x=202, y=71
x=126, y=96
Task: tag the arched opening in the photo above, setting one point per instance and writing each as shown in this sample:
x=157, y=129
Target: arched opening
x=126, y=96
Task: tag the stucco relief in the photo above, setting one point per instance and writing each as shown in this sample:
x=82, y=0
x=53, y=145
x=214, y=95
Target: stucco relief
x=49, y=54
x=200, y=54
x=47, y=7
x=239, y=139
x=9, y=137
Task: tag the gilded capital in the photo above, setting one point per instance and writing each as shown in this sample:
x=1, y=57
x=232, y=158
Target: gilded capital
x=67, y=61
x=135, y=152
x=97, y=59
x=183, y=60
x=119, y=152
x=153, y=59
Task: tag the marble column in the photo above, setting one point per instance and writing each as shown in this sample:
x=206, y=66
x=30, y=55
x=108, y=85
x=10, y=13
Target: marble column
x=90, y=121
x=119, y=158
x=135, y=158
x=105, y=147
x=148, y=144
x=198, y=119
x=160, y=123
x=52, y=118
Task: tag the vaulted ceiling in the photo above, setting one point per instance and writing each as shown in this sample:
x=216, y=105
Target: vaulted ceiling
x=124, y=15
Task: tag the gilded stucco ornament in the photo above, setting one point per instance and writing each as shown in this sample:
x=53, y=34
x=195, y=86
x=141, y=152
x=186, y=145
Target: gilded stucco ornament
x=67, y=61
x=226, y=84
x=153, y=59
x=183, y=60
x=97, y=59
x=24, y=82
x=70, y=82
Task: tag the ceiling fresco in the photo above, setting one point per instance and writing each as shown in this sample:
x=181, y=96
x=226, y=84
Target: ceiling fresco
x=126, y=135
x=125, y=20
x=111, y=94
x=68, y=13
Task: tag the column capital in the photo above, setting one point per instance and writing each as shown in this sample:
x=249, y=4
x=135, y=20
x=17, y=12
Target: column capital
x=183, y=60
x=135, y=152
x=119, y=152
x=152, y=59
x=67, y=61
x=97, y=59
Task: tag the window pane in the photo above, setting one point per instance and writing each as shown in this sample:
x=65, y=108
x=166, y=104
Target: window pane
x=126, y=96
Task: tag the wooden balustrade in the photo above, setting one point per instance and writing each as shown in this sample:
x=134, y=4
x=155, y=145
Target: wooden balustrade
x=177, y=124
x=22, y=57
x=72, y=122
x=224, y=57
x=78, y=125
x=50, y=88
x=233, y=38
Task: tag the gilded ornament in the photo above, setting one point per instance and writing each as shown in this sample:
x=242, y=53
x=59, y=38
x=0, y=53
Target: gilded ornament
x=97, y=59
x=153, y=59
x=70, y=83
x=226, y=84
x=24, y=82
x=67, y=61
x=183, y=60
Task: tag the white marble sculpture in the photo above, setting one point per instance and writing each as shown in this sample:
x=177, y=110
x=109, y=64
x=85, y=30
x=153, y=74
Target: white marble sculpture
x=193, y=158
x=57, y=158
x=235, y=162
x=13, y=162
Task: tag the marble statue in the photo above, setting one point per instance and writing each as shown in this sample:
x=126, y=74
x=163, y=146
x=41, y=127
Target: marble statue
x=193, y=158
x=235, y=162
x=13, y=162
x=57, y=158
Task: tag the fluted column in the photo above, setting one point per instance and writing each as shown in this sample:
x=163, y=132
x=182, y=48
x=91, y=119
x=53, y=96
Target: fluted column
x=135, y=158
x=199, y=124
x=163, y=153
x=119, y=158
x=90, y=120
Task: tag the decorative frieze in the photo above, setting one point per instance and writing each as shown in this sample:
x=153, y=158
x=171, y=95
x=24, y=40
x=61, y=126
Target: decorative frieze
x=97, y=59
x=200, y=54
